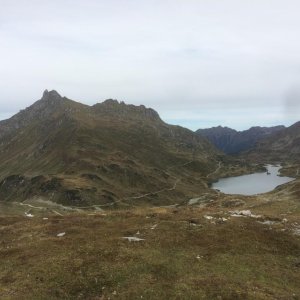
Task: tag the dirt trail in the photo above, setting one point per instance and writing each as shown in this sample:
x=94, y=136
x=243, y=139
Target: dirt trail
x=31, y=206
x=165, y=189
x=216, y=170
x=157, y=192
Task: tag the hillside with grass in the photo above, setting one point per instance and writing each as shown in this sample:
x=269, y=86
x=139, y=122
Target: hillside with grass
x=108, y=154
x=223, y=247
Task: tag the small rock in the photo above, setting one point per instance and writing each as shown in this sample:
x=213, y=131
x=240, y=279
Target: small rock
x=193, y=222
x=29, y=215
x=267, y=222
x=61, y=234
x=132, y=239
x=244, y=213
x=154, y=226
x=194, y=201
x=296, y=231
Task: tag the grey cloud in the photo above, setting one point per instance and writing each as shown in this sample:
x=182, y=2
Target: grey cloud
x=170, y=55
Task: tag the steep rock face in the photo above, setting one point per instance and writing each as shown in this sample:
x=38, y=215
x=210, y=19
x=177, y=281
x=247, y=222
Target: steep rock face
x=231, y=141
x=104, y=154
x=281, y=146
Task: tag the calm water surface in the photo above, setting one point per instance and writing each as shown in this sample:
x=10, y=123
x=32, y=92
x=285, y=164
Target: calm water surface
x=252, y=184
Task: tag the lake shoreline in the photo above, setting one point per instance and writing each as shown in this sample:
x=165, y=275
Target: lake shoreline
x=252, y=184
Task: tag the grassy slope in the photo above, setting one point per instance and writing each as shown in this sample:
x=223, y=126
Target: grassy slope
x=80, y=155
x=185, y=256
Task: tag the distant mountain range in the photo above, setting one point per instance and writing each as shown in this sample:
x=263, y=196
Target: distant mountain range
x=231, y=141
x=282, y=146
x=108, y=154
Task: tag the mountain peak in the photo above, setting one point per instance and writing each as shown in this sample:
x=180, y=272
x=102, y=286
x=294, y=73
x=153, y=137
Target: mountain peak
x=51, y=95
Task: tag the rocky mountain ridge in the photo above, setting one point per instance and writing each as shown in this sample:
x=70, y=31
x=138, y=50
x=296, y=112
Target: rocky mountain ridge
x=231, y=141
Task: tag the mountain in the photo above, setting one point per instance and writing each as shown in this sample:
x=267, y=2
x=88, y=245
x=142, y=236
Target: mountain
x=282, y=146
x=231, y=141
x=221, y=137
x=107, y=154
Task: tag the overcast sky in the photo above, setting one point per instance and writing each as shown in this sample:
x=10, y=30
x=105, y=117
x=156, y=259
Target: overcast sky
x=198, y=63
